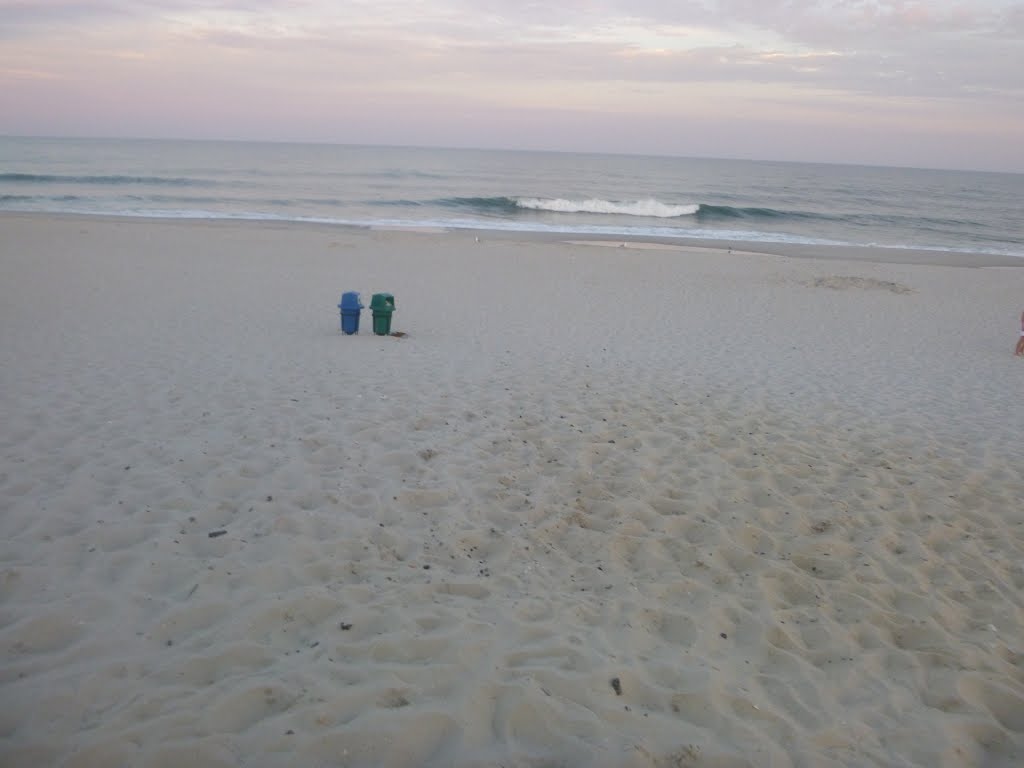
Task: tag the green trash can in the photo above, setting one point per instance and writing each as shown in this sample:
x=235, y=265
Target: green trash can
x=382, y=305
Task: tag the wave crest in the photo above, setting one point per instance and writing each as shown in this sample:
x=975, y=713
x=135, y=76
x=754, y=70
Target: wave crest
x=49, y=178
x=649, y=208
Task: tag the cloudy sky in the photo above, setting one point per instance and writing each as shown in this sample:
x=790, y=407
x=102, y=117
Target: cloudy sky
x=935, y=83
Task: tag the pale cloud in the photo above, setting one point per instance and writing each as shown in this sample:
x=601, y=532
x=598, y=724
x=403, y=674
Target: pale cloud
x=822, y=61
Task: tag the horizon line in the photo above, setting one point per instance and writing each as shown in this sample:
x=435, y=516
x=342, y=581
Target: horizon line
x=446, y=147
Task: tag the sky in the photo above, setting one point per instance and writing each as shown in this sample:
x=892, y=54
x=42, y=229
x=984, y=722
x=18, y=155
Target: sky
x=936, y=83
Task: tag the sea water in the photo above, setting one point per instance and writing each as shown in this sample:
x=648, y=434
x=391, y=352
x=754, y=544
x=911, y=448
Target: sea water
x=585, y=194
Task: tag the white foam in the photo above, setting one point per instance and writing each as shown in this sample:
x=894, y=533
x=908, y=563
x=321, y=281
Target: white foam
x=651, y=208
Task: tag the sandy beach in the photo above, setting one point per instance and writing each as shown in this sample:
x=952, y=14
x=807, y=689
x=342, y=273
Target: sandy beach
x=602, y=504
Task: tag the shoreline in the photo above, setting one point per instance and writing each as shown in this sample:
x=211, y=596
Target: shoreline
x=862, y=253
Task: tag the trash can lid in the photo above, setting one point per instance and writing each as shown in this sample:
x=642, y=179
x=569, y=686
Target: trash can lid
x=382, y=301
x=350, y=300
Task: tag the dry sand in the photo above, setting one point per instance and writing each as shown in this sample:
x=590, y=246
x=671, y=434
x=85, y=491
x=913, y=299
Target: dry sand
x=601, y=506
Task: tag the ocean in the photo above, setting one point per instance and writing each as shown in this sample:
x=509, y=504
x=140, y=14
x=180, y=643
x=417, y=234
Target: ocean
x=585, y=194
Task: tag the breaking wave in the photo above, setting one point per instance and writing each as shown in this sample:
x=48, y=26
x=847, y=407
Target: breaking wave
x=649, y=208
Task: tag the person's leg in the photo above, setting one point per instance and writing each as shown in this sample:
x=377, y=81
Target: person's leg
x=1020, y=347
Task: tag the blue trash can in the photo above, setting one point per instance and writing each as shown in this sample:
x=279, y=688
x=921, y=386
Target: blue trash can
x=350, y=306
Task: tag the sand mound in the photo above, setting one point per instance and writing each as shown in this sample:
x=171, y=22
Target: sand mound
x=841, y=283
